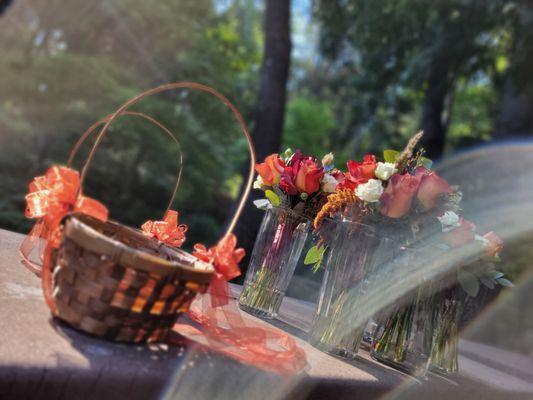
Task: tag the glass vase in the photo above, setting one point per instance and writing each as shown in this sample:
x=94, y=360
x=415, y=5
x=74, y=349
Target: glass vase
x=403, y=333
x=277, y=248
x=338, y=324
x=447, y=307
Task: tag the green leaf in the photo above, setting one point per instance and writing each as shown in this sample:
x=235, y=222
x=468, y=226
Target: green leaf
x=505, y=282
x=426, y=162
x=469, y=282
x=488, y=282
x=496, y=274
x=314, y=255
x=272, y=197
x=390, y=155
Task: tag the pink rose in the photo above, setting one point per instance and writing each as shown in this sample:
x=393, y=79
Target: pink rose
x=495, y=243
x=461, y=235
x=398, y=196
x=431, y=188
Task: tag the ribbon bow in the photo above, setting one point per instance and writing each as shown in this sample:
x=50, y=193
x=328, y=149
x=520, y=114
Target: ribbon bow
x=51, y=196
x=225, y=258
x=223, y=328
x=168, y=230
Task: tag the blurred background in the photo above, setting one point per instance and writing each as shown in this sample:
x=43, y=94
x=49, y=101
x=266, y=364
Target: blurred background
x=348, y=76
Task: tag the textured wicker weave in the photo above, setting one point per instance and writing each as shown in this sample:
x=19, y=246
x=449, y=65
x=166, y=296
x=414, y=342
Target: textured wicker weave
x=112, y=281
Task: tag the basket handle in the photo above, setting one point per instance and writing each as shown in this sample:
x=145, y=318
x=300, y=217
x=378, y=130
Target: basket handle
x=180, y=85
x=93, y=127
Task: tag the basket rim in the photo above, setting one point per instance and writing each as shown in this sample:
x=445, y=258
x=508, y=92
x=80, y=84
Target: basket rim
x=91, y=239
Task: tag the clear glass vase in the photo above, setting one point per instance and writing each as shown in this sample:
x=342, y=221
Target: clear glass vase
x=447, y=307
x=336, y=327
x=277, y=248
x=403, y=333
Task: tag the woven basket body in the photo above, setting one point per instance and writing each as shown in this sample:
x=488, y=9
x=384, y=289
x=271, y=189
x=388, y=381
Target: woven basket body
x=112, y=281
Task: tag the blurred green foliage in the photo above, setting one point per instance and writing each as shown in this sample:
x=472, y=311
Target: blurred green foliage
x=64, y=65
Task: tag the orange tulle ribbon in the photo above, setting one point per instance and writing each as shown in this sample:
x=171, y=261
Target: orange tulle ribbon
x=51, y=196
x=223, y=328
x=167, y=231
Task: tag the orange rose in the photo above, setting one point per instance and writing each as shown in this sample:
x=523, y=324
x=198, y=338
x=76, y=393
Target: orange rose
x=431, y=187
x=461, y=235
x=398, y=197
x=308, y=176
x=495, y=243
x=270, y=170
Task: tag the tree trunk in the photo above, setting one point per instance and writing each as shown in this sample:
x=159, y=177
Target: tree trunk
x=515, y=118
x=432, y=110
x=270, y=110
x=4, y=4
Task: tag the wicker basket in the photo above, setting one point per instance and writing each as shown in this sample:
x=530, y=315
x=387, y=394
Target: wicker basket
x=112, y=281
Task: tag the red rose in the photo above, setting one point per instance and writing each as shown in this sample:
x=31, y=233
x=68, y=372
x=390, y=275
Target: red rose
x=461, y=235
x=359, y=172
x=302, y=174
x=495, y=243
x=398, y=196
x=287, y=185
x=431, y=187
x=270, y=170
x=308, y=177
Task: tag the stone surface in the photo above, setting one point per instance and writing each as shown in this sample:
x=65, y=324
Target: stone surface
x=41, y=358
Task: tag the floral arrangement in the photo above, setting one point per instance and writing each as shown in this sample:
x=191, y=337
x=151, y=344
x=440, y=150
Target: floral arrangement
x=402, y=193
x=296, y=181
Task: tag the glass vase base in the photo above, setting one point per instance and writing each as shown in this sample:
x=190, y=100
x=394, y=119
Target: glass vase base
x=258, y=312
x=406, y=367
x=336, y=352
x=443, y=371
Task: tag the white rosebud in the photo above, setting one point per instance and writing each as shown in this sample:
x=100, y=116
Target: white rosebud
x=258, y=183
x=449, y=220
x=329, y=183
x=370, y=191
x=327, y=159
x=385, y=170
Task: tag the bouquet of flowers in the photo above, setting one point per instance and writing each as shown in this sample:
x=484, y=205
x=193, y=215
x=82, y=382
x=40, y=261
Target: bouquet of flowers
x=402, y=198
x=401, y=195
x=295, y=187
x=296, y=181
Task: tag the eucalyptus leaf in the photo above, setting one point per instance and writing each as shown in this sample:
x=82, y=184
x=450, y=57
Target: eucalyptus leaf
x=469, y=282
x=390, y=155
x=505, y=282
x=272, y=197
x=487, y=281
x=496, y=274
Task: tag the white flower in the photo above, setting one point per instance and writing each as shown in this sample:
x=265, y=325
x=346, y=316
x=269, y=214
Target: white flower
x=370, y=191
x=329, y=183
x=385, y=170
x=449, y=220
x=258, y=183
x=327, y=159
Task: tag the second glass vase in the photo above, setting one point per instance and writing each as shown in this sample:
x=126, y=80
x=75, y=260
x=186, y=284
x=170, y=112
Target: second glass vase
x=402, y=337
x=277, y=249
x=336, y=328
